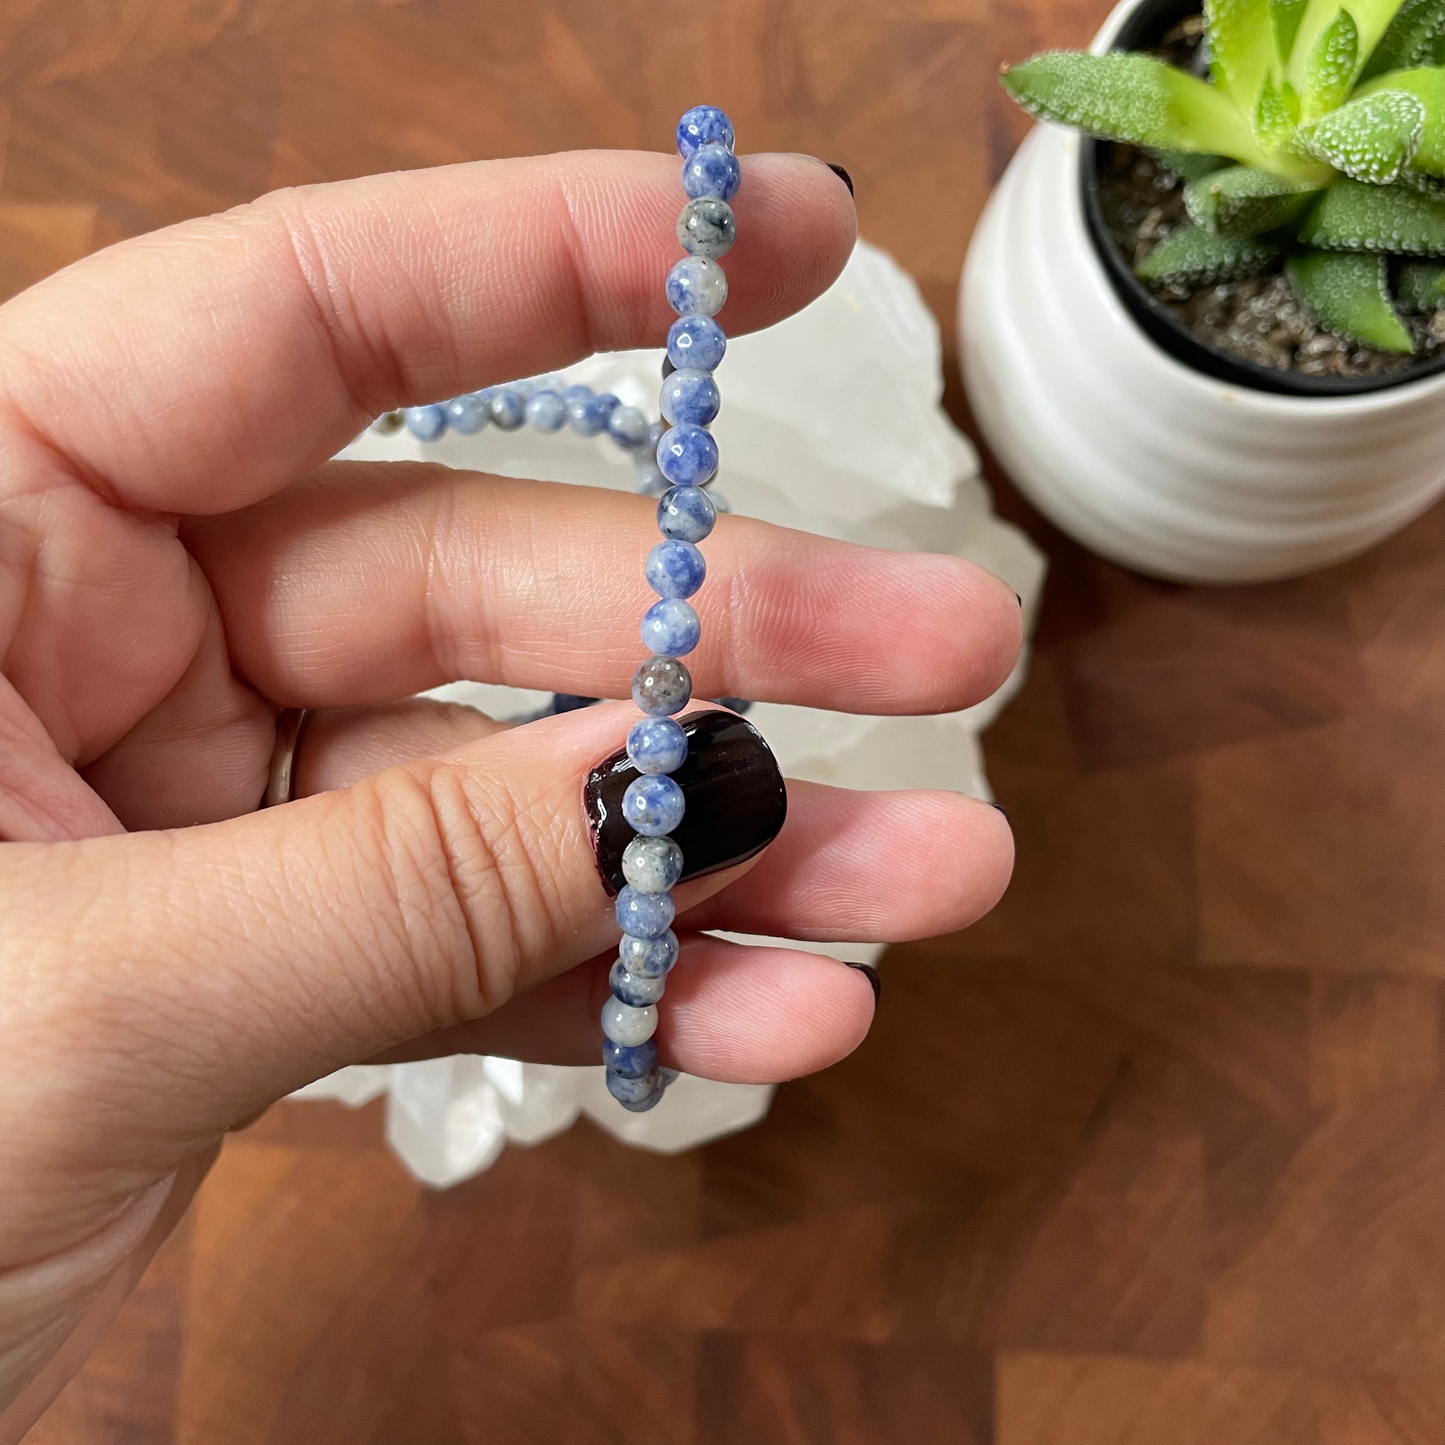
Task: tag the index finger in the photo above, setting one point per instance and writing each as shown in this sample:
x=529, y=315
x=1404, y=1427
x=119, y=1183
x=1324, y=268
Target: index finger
x=202, y=367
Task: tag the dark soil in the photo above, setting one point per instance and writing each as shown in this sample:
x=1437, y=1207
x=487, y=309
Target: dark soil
x=1259, y=318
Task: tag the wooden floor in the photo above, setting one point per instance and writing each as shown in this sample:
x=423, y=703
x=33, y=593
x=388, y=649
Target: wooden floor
x=1155, y=1154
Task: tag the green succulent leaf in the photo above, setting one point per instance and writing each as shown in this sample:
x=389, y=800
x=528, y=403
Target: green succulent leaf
x=1421, y=287
x=1129, y=97
x=1323, y=33
x=1246, y=201
x=1286, y=16
x=1372, y=139
x=1427, y=85
x=1348, y=294
x=1189, y=164
x=1241, y=46
x=1393, y=220
x=1196, y=257
x=1408, y=38
x=1330, y=71
x=1273, y=123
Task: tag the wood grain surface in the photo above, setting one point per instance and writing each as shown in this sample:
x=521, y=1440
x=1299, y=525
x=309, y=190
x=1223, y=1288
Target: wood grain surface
x=1155, y=1154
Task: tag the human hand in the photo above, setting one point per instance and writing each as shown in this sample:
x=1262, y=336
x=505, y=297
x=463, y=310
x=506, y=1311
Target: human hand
x=179, y=561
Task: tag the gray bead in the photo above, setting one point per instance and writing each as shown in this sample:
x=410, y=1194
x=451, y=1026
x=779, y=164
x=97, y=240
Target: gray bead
x=706, y=227
x=624, y=1024
x=651, y=957
x=388, y=423
x=661, y=686
x=635, y=990
x=652, y=865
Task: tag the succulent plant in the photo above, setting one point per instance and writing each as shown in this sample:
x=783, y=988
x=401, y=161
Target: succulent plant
x=1316, y=142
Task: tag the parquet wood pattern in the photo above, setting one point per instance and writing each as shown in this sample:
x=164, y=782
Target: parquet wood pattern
x=1154, y=1154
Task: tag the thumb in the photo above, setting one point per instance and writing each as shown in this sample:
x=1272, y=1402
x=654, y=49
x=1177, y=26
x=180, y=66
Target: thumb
x=157, y=987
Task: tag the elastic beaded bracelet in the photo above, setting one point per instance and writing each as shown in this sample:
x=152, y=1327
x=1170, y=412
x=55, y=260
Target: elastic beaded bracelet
x=675, y=462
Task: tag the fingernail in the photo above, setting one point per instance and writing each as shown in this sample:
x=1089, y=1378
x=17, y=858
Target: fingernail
x=736, y=801
x=842, y=175
x=1001, y=809
x=874, y=982
x=1018, y=599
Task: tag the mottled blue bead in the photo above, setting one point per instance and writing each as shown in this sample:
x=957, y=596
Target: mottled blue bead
x=696, y=341
x=712, y=170
x=690, y=395
x=703, y=125
x=426, y=423
x=637, y=1096
x=624, y=1024
x=661, y=686
x=576, y=390
x=653, y=805
x=467, y=414
x=675, y=569
x=650, y=481
x=628, y=427
x=652, y=865
x=631, y=1063
x=670, y=628
x=696, y=286
x=634, y=989
x=657, y=745
x=687, y=455
x=644, y=915
x=546, y=411
x=507, y=408
x=648, y=956
x=686, y=513
x=655, y=434
x=588, y=414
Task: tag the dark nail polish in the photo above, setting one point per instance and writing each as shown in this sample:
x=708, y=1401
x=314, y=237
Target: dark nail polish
x=842, y=176
x=1018, y=599
x=1001, y=808
x=871, y=974
x=667, y=367
x=736, y=801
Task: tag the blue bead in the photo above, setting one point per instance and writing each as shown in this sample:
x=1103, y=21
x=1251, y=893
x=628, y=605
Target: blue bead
x=670, y=628
x=703, y=125
x=628, y=427
x=589, y=414
x=648, y=957
x=632, y=989
x=675, y=569
x=507, y=408
x=633, y=1061
x=653, y=804
x=576, y=390
x=712, y=170
x=637, y=1096
x=690, y=395
x=696, y=286
x=426, y=423
x=546, y=411
x=644, y=915
x=696, y=341
x=650, y=481
x=657, y=745
x=686, y=513
x=466, y=414
x=687, y=455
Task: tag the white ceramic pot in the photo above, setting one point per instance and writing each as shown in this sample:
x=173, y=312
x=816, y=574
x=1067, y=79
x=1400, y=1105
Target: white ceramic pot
x=1140, y=457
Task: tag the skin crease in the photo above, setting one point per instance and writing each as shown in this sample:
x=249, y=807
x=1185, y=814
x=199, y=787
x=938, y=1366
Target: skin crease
x=178, y=561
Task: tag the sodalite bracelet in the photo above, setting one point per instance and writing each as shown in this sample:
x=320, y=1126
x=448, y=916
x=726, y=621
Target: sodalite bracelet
x=674, y=463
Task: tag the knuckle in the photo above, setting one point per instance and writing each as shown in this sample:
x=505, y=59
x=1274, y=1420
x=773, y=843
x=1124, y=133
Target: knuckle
x=470, y=901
